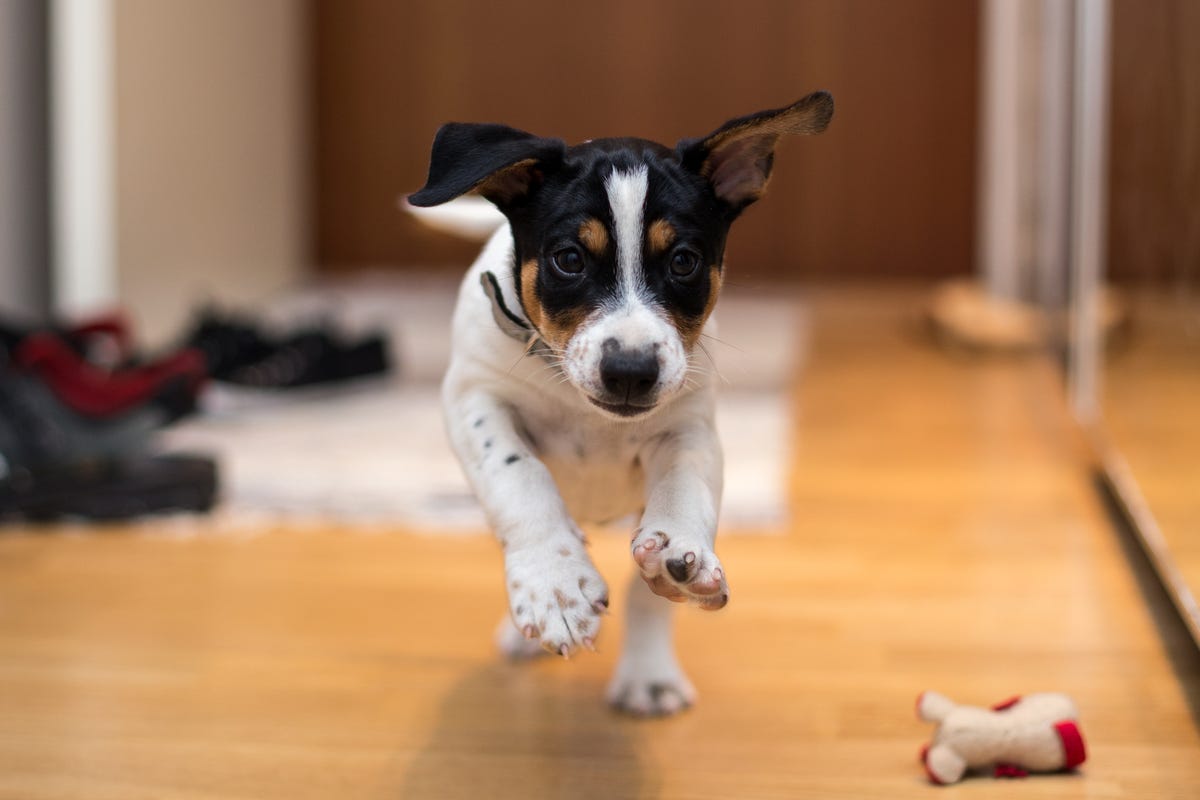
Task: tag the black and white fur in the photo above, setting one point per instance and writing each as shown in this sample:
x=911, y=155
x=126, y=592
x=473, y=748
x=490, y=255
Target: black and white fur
x=575, y=392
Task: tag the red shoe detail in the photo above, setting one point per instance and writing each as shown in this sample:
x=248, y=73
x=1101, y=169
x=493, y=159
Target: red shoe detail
x=1004, y=705
x=98, y=393
x=114, y=325
x=1074, y=750
x=924, y=753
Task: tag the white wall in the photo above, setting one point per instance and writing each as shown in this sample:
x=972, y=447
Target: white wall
x=1023, y=149
x=81, y=44
x=210, y=154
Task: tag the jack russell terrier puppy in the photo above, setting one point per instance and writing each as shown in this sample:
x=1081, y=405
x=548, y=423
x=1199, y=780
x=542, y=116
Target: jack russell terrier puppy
x=574, y=392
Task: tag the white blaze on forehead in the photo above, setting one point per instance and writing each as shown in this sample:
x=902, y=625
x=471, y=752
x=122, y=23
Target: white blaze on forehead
x=635, y=321
x=627, y=199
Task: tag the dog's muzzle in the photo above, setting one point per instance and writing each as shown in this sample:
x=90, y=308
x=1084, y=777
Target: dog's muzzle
x=629, y=378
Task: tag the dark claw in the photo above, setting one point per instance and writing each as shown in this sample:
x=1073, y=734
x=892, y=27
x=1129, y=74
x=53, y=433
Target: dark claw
x=658, y=690
x=678, y=569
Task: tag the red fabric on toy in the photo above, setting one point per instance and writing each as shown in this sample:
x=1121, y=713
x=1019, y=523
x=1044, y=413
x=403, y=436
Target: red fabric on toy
x=1004, y=705
x=1072, y=740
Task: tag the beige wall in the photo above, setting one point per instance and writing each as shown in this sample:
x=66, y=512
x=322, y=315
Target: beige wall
x=210, y=154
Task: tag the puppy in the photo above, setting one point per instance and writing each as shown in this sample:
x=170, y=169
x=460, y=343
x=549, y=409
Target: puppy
x=575, y=393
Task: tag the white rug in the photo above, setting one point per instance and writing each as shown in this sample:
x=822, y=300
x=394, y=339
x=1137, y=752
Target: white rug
x=375, y=453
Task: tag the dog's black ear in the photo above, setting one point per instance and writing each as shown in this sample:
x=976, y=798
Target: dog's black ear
x=501, y=163
x=736, y=158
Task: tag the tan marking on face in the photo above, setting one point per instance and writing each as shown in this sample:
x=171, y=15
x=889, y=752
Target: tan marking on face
x=660, y=236
x=555, y=329
x=690, y=327
x=715, y=278
x=533, y=308
x=594, y=236
x=559, y=328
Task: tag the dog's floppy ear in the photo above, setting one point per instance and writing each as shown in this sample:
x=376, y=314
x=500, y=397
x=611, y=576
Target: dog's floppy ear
x=501, y=163
x=736, y=158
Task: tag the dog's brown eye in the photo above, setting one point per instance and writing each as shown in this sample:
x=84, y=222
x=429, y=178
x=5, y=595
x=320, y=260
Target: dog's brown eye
x=568, y=261
x=684, y=263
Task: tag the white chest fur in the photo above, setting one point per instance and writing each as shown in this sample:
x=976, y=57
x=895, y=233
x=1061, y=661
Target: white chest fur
x=596, y=466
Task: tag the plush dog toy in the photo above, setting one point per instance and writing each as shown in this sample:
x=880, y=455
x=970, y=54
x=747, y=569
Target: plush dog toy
x=1034, y=733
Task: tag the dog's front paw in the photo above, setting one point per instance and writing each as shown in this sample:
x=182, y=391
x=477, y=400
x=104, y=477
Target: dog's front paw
x=648, y=685
x=555, y=595
x=680, y=568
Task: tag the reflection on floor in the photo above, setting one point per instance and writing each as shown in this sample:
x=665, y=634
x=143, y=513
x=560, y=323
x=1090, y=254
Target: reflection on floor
x=944, y=536
x=1151, y=407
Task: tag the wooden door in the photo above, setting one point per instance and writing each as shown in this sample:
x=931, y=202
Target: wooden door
x=887, y=191
x=1154, y=149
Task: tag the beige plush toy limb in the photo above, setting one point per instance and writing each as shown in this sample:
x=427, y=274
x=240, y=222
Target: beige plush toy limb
x=1034, y=733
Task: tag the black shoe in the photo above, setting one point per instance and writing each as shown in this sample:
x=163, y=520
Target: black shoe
x=38, y=430
x=314, y=357
x=54, y=462
x=228, y=343
x=110, y=490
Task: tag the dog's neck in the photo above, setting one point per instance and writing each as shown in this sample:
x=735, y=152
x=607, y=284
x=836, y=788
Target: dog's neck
x=512, y=325
x=508, y=321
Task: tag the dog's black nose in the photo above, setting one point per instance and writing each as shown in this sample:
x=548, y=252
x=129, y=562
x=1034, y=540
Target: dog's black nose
x=628, y=375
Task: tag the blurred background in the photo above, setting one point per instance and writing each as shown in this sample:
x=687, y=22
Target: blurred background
x=244, y=147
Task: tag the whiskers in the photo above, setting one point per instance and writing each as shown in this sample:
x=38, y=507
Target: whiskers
x=730, y=345
x=552, y=360
x=693, y=368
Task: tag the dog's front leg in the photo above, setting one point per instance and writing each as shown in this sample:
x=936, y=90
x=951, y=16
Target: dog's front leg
x=673, y=547
x=555, y=593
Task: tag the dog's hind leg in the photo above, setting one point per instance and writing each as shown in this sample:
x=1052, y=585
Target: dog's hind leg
x=648, y=680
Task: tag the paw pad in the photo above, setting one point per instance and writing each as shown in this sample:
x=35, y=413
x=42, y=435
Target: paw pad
x=681, y=568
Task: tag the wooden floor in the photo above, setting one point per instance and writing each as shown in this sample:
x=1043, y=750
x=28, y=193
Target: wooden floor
x=945, y=536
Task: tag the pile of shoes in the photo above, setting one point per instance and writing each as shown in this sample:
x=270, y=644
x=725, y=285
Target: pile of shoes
x=76, y=436
x=79, y=408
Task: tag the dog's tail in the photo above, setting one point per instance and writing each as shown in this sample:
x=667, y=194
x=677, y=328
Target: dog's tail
x=469, y=217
